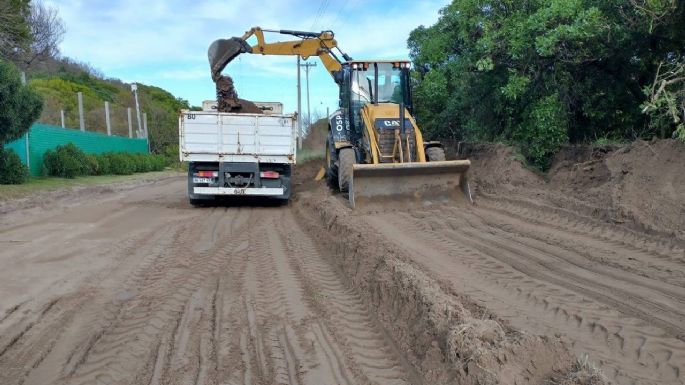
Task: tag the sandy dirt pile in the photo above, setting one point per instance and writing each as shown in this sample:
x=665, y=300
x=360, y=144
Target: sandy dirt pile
x=228, y=100
x=640, y=185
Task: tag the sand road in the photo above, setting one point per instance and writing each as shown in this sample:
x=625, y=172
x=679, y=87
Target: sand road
x=135, y=286
x=138, y=287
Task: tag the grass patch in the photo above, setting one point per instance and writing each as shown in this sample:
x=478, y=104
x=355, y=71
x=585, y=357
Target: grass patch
x=606, y=141
x=42, y=184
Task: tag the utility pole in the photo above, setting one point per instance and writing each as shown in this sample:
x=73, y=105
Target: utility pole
x=299, y=106
x=307, y=66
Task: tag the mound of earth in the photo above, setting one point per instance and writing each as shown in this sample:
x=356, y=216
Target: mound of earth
x=640, y=185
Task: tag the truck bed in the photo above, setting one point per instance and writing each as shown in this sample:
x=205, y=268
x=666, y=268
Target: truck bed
x=210, y=136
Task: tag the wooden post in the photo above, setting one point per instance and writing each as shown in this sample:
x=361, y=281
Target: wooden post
x=82, y=122
x=130, y=124
x=109, y=125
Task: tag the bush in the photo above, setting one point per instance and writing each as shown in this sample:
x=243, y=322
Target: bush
x=543, y=132
x=104, y=165
x=121, y=163
x=12, y=171
x=92, y=165
x=66, y=161
x=69, y=161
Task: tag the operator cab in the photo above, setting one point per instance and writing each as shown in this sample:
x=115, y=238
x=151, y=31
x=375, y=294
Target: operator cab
x=372, y=82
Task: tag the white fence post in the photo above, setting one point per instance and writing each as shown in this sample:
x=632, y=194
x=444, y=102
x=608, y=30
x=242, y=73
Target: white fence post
x=109, y=126
x=81, y=119
x=130, y=124
x=144, y=125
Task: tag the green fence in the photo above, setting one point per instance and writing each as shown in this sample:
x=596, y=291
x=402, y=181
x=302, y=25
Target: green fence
x=43, y=137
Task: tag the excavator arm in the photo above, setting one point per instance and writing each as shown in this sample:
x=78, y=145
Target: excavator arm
x=321, y=44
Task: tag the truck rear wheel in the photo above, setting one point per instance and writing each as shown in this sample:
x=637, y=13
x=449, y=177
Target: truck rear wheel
x=435, y=154
x=346, y=158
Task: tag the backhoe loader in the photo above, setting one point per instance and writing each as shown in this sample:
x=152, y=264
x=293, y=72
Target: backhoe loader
x=374, y=148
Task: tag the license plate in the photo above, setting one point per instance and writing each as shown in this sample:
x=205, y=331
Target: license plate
x=202, y=180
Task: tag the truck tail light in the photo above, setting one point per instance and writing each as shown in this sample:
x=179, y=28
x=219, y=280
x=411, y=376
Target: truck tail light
x=207, y=174
x=269, y=174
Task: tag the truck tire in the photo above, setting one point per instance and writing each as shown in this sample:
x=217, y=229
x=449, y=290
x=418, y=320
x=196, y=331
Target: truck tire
x=435, y=154
x=346, y=158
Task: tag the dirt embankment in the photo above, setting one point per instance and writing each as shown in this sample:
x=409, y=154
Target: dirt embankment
x=447, y=337
x=639, y=186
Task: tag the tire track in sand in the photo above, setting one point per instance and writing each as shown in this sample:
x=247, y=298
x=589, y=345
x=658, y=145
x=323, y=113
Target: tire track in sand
x=168, y=296
x=509, y=275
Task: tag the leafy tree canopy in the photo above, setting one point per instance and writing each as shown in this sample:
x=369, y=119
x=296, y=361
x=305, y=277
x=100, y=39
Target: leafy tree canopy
x=544, y=72
x=20, y=105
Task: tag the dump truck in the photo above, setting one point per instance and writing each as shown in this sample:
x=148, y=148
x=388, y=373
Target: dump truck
x=237, y=154
x=374, y=148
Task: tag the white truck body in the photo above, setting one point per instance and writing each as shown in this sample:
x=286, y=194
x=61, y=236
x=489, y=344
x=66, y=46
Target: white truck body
x=227, y=137
x=237, y=154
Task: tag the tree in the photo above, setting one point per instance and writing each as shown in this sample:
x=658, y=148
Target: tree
x=15, y=32
x=20, y=106
x=29, y=31
x=540, y=73
x=47, y=31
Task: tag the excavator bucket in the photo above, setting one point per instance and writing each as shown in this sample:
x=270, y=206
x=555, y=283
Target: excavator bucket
x=223, y=51
x=440, y=181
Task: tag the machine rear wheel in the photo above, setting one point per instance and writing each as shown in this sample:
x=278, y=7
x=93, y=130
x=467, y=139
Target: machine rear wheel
x=435, y=154
x=331, y=172
x=346, y=158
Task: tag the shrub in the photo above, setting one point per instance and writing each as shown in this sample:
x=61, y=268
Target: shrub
x=12, y=171
x=158, y=162
x=121, y=163
x=66, y=161
x=104, y=165
x=69, y=161
x=92, y=165
x=543, y=131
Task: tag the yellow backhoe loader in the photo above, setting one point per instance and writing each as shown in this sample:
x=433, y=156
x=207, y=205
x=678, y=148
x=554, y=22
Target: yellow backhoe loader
x=374, y=147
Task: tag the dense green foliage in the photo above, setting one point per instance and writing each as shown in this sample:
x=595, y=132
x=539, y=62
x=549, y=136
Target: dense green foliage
x=15, y=30
x=59, y=84
x=69, y=161
x=20, y=106
x=543, y=72
x=12, y=171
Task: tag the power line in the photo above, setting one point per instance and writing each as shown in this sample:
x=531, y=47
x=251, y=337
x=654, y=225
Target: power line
x=320, y=13
x=337, y=14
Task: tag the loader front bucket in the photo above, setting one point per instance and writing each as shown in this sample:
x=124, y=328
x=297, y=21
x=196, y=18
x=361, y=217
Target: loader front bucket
x=223, y=51
x=440, y=181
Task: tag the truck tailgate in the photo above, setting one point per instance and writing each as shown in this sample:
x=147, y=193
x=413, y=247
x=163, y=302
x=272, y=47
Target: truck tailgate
x=226, y=137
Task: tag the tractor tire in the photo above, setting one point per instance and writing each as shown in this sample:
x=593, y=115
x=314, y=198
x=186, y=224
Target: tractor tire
x=346, y=158
x=331, y=169
x=435, y=154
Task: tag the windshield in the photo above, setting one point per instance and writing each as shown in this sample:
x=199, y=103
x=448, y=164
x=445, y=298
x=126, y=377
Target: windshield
x=389, y=84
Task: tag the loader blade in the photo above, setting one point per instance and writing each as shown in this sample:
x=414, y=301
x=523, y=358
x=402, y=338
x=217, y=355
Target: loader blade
x=414, y=182
x=223, y=51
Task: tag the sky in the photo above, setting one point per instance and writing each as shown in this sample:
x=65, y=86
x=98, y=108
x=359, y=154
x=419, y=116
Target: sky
x=164, y=43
